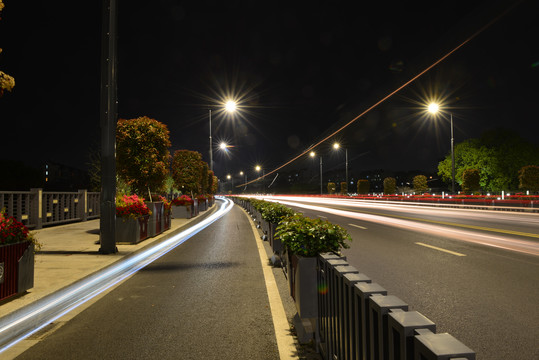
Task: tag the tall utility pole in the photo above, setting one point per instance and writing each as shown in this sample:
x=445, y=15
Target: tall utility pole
x=109, y=115
x=211, y=149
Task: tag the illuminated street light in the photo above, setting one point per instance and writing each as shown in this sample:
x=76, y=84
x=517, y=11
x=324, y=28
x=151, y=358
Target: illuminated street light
x=258, y=168
x=223, y=146
x=230, y=107
x=433, y=108
x=313, y=154
x=336, y=146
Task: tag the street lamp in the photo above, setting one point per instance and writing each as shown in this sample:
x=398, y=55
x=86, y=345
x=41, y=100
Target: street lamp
x=229, y=177
x=230, y=107
x=433, y=108
x=336, y=146
x=258, y=168
x=313, y=154
x=245, y=179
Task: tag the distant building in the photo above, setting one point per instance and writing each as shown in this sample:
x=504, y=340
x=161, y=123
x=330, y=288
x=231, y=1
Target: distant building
x=60, y=177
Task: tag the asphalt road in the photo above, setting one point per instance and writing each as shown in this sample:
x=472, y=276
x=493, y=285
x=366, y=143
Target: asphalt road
x=206, y=299
x=483, y=295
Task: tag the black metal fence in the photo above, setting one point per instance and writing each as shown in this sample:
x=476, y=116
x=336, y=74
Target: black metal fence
x=357, y=319
x=37, y=208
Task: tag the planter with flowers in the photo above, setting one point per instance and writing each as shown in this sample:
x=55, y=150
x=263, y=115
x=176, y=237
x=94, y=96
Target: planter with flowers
x=182, y=207
x=156, y=222
x=167, y=213
x=272, y=214
x=202, y=203
x=304, y=239
x=17, y=247
x=132, y=217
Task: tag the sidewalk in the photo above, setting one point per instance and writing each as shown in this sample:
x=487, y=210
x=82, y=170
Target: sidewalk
x=69, y=253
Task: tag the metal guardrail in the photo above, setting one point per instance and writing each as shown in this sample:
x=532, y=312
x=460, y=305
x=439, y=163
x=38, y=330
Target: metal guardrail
x=36, y=208
x=358, y=320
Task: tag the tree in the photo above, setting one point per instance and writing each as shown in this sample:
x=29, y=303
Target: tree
x=470, y=181
x=204, y=181
x=331, y=187
x=498, y=155
x=344, y=188
x=214, y=185
x=186, y=170
x=210, y=182
x=142, y=153
x=420, y=184
x=528, y=178
x=6, y=82
x=363, y=186
x=390, y=185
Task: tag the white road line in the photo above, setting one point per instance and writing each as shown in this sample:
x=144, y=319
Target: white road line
x=440, y=249
x=285, y=341
x=359, y=227
x=323, y=217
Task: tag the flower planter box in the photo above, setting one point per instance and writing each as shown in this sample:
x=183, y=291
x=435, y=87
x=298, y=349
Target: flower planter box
x=156, y=222
x=131, y=231
x=167, y=221
x=181, y=212
x=16, y=268
x=302, y=278
x=275, y=244
x=202, y=205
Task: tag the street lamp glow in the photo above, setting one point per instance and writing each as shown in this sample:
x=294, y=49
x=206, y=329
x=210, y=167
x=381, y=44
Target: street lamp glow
x=433, y=108
x=223, y=146
x=336, y=146
x=258, y=168
x=230, y=106
x=228, y=176
x=312, y=154
x=241, y=172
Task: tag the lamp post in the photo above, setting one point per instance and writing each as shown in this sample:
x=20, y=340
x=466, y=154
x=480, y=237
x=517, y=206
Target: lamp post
x=337, y=146
x=230, y=107
x=258, y=168
x=313, y=154
x=433, y=109
x=230, y=177
x=245, y=179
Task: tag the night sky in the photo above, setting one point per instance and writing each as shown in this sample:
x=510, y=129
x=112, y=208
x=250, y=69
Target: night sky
x=298, y=70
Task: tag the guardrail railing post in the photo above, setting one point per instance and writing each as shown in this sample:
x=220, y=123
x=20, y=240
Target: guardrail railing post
x=324, y=300
x=379, y=306
x=429, y=346
x=341, y=309
x=82, y=205
x=36, y=204
x=401, y=328
x=362, y=293
x=350, y=345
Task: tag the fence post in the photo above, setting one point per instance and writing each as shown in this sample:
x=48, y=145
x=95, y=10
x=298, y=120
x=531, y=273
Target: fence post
x=82, y=206
x=429, y=346
x=379, y=306
x=362, y=293
x=341, y=310
x=401, y=326
x=351, y=316
x=36, y=204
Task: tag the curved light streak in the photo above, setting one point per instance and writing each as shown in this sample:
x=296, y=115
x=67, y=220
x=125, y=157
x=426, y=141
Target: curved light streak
x=30, y=319
x=502, y=242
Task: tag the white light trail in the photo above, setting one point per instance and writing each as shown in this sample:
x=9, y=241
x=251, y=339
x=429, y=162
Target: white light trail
x=498, y=241
x=30, y=319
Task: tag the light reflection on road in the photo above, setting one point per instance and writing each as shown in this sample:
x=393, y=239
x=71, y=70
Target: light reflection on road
x=502, y=241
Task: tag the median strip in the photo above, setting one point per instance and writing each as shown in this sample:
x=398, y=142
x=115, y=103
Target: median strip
x=440, y=249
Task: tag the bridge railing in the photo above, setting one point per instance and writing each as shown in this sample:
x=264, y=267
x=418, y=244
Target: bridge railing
x=357, y=319
x=37, y=208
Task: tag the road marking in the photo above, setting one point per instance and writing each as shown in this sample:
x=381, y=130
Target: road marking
x=360, y=227
x=285, y=341
x=323, y=217
x=440, y=249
